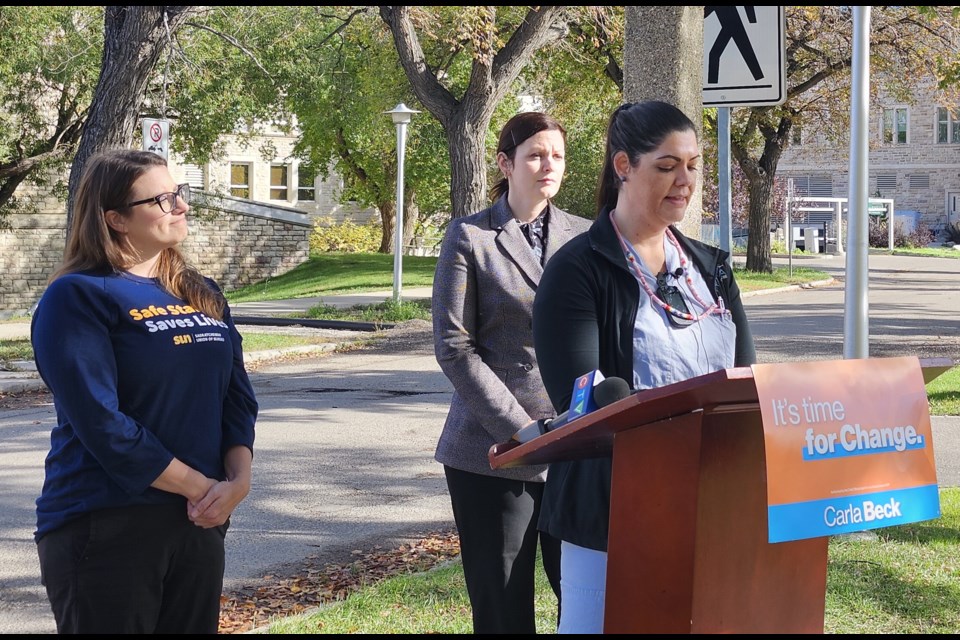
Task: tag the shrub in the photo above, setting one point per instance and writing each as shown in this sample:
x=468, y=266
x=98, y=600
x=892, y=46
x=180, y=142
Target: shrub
x=878, y=236
x=346, y=236
x=953, y=232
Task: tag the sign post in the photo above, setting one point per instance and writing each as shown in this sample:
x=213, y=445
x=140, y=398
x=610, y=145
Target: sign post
x=744, y=64
x=156, y=137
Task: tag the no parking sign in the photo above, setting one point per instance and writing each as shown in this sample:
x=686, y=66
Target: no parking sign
x=156, y=136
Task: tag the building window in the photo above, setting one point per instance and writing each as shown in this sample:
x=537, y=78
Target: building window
x=306, y=186
x=240, y=180
x=895, y=125
x=948, y=126
x=278, y=182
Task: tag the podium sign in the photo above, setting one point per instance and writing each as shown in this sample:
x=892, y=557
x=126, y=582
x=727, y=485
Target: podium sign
x=848, y=445
x=689, y=542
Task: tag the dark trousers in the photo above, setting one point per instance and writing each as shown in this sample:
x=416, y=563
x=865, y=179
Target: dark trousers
x=497, y=522
x=143, y=569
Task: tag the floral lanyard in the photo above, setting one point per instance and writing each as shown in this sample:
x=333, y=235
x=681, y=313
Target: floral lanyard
x=633, y=260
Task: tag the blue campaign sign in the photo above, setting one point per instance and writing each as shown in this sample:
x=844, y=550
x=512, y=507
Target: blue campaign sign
x=834, y=516
x=744, y=56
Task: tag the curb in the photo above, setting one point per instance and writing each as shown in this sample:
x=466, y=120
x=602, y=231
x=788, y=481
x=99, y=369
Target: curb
x=272, y=354
x=23, y=381
x=789, y=287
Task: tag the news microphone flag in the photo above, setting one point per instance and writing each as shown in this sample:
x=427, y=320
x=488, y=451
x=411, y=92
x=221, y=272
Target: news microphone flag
x=582, y=401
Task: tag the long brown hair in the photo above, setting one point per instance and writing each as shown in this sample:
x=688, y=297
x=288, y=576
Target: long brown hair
x=515, y=132
x=94, y=246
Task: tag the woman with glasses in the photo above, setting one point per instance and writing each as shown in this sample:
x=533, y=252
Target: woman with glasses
x=153, y=445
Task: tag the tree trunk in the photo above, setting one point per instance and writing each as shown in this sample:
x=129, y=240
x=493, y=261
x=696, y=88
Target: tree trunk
x=468, y=170
x=761, y=178
x=388, y=220
x=663, y=60
x=467, y=119
x=388, y=216
x=134, y=38
x=761, y=202
x=411, y=214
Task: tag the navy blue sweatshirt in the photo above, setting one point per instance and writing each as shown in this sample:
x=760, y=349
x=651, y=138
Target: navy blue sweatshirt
x=138, y=377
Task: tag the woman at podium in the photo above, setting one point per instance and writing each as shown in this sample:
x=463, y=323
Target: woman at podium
x=635, y=299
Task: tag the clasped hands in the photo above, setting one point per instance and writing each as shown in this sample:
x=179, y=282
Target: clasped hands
x=221, y=498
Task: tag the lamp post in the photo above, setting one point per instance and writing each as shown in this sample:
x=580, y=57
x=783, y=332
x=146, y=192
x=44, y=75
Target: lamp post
x=401, y=117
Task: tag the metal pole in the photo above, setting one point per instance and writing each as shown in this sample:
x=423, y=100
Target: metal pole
x=723, y=178
x=789, y=216
x=398, y=242
x=856, y=342
x=890, y=223
x=838, y=217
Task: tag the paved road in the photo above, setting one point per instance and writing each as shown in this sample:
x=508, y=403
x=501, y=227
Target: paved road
x=345, y=442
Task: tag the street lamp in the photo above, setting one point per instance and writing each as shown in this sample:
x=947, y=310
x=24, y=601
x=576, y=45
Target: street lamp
x=401, y=117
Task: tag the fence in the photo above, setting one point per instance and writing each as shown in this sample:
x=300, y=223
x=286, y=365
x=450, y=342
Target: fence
x=829, y=215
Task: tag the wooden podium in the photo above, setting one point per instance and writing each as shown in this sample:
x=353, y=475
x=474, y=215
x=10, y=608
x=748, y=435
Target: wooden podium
x=687, y=546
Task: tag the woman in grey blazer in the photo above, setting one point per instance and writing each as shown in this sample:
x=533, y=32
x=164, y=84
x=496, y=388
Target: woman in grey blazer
x=487, y=273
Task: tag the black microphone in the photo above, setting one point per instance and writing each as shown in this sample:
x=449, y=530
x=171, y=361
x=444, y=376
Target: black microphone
x=676, y=273
x=607, y=391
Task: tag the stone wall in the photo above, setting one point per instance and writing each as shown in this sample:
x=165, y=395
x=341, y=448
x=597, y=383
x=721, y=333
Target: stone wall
x=29, y=252
x=233, y=248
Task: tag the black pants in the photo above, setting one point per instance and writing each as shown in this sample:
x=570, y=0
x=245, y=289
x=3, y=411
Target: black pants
x=143, y=569
x=497, y=523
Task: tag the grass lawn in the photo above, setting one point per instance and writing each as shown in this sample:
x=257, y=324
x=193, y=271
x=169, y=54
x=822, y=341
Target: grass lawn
x=937, y=252
x=253, y=341
x=906, y=580
x=336, y=273
x=944, y=393
x=781, y=277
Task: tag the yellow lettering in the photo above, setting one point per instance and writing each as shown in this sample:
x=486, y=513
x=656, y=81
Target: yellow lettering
x=135, y=314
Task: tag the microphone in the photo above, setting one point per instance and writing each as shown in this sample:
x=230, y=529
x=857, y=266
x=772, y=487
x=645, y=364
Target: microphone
x=676, y=273
x=607, y=391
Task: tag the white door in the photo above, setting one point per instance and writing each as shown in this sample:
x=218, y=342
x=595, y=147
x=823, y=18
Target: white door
x=953, y=207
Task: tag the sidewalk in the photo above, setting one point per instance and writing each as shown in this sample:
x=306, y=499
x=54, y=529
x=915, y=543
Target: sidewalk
x=280, y=308
x=24, y=377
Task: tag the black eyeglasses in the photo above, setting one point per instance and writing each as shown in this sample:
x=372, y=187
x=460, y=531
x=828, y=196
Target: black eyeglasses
x=166, y=201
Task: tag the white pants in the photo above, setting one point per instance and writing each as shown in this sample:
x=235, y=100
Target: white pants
x=583, y=584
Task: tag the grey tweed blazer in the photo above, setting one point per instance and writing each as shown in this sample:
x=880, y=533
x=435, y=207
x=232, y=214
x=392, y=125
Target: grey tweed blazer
x=483, y=291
